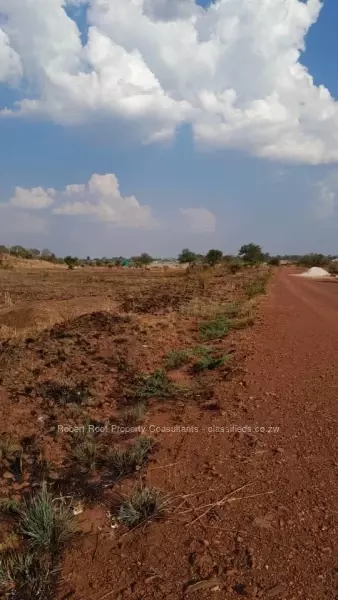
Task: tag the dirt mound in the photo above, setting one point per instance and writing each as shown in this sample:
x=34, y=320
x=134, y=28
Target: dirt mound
x=315, y=272
x=38, y=315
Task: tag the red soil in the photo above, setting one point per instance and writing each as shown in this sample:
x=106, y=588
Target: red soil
x=279, y=539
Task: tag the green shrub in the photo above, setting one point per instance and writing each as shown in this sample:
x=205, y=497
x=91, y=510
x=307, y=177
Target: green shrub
x=46, y=523
x=129, y=460
x=176, y=358
x=154, y=385
x=215, y=328
x=144, y=503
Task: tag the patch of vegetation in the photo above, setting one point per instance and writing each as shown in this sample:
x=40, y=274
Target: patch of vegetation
x=46, y=522
x=256, y=287
x=242, y=323
x=333, y=268
x=156, y=384
x=86, y=452
x=43, y=524
x=132, y=458
x=144, y=504
x=26, y=575
x=7, y=505
x=65, y=392
x=133, y=415
x=176, y=358
x=207, y=361
x=215, y=328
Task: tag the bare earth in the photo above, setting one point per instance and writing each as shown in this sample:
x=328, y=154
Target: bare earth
x=254, y=506
x=279, y=539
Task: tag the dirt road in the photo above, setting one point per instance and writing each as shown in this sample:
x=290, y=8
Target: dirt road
x=293, y=378
x=274, y=465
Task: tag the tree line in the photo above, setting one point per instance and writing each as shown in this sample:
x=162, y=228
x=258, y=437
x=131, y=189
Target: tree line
x=248, y=254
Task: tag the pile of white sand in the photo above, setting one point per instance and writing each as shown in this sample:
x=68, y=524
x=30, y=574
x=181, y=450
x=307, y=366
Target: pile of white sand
x=315, y=272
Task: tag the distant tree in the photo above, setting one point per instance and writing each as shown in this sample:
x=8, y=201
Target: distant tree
x=274, y=261
x=251, y=253
x=142, y=260
x=20, y=252
x=3, y=249
x=313, y=260
x=187, y=256
x=46, y=253
x=34, y=252
x=71, y=261
x=213, y=257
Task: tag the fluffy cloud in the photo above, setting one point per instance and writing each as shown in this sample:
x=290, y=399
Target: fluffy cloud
x=35, y=198
x=232, y=71
x=200, y=220
x=100, y=199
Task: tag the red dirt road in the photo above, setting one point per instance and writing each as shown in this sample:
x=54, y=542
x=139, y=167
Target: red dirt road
x=279, y=540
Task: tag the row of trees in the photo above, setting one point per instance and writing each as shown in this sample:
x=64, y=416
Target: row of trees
x=248, y=253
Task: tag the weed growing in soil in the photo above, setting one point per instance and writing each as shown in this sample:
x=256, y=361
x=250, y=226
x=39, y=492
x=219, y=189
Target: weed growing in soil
x=155, y=385
x=129, y=460
x=85, y=452
x=64, y=393
x=176, y=358
x=207, y=361
x=26, y=574
x=46, y=522
x=144, y=504
x=132, y=416
x=215, y=328
x=7, y=505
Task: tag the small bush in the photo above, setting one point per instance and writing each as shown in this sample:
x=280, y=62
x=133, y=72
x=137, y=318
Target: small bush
x=46, y=523
x=144, y=504
x=64, y=392
x=256, y=287
x=333, y=268
x=176, y=358
x=274, y=261
x=207, y=361
x=85, y=452
x=129, y=460
x=234, y=267
x=155, y=385
x=215, y=328
x=132, y=416
x=28, y=573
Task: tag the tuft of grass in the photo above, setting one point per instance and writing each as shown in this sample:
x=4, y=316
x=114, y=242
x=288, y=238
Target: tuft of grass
x=256, y=287
x=215, y=328
x=129, y=460
x=207, y=361
x=65, y=392
x=145, y=503
x=26, y=573
x=155, y=385
x=242, y=323
x=7, y=505
x=85, y=452
x=46, y=522
x=133, y=415
x=176, y=358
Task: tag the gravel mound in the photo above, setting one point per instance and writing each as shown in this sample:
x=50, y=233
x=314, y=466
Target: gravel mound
x=315, y=272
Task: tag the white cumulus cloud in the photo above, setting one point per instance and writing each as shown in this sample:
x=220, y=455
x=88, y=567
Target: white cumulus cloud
x=199, y=220
x=100, y=198
x=232, y=71
x=35, y=198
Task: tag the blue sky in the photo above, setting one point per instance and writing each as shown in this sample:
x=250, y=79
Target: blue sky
x=214, y=183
